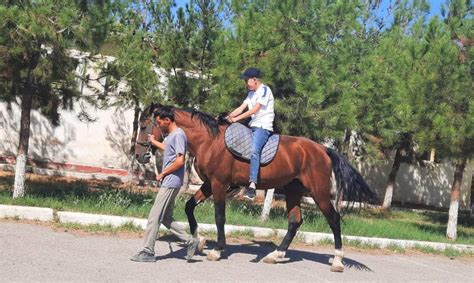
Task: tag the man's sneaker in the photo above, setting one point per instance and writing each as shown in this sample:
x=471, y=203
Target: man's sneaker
x=192, y=246
x=144, y=256
x=250, y=191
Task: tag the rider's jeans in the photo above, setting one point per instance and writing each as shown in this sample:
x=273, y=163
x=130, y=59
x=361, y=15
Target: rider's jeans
x=259, y=139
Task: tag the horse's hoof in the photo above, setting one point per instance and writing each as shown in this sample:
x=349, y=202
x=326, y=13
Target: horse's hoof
x=337, y=268
x=275, y=257
x=214, y=255
x=337, y=265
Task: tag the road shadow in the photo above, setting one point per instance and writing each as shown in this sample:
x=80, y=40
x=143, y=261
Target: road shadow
x=176, y=249
x=261, y=248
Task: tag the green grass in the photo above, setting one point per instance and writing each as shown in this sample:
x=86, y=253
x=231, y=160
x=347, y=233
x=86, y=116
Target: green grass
x=115, y=199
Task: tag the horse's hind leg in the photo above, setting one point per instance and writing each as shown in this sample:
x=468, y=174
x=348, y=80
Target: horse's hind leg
x=319, y=185
x=293, y=193
x=334, y=220
x=320, y=191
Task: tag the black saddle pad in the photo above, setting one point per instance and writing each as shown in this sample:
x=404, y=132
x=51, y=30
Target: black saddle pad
x=238, y=140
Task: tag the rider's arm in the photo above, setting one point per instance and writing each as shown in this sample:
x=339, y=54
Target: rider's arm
x=249, y=113
x=237, y=110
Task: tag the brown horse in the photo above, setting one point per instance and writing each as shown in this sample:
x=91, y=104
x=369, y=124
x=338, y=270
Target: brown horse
x=301, y=165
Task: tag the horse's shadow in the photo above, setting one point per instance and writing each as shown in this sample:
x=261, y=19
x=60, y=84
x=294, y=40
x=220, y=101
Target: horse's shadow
x=260, y=249
x=175, y=252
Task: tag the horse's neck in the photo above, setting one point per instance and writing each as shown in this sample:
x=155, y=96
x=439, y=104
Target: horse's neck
x=199, y=141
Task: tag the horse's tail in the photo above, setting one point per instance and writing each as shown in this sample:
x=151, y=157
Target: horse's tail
x=350, y=184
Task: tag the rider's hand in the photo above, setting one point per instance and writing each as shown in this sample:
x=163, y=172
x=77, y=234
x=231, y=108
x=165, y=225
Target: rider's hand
x=229, y=119
x=151, y=138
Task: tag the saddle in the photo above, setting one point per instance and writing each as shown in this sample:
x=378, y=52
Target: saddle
x=238, y=140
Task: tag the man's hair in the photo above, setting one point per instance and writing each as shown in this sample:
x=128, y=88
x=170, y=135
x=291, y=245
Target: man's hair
x=164, y=112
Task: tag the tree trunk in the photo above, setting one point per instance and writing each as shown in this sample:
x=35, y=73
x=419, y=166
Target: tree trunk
x=130, y=173
x=267, y=205
x=136, y=115
x=472, y=195
x=387, y=202
x=346, y=145
x=187, y=172
x=22, y=153
x=451, y=231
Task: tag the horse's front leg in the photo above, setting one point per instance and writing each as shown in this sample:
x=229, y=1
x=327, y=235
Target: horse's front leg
x=202, y=194
x=219, y=192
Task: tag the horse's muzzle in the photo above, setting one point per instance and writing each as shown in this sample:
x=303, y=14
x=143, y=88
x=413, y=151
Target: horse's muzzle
x=143, y=159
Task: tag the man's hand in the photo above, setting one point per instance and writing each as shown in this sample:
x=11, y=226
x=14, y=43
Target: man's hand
x=159, y=177
x=151, y=138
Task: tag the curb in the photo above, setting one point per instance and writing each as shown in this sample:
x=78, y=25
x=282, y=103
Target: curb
x=47, y=214
x=26, y=212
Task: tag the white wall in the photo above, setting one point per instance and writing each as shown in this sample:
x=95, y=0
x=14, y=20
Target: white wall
x=103, y=143
x=429, y=185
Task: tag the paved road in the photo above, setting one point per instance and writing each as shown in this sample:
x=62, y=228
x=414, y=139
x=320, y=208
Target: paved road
x=31, y=252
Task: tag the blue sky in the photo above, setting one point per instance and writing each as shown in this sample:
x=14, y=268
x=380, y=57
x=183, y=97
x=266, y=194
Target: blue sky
x=435, y=5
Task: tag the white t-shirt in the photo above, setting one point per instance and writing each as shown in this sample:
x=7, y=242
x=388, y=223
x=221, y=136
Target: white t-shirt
x=265, y=116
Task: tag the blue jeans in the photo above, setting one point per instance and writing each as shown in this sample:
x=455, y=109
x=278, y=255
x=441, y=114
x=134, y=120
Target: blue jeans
x=259, y=139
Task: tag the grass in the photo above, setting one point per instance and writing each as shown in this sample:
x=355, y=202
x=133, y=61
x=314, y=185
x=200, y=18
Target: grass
x=66, y=194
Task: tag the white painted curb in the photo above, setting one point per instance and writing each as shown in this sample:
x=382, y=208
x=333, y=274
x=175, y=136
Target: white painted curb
x=100, y=219
x=26, y=212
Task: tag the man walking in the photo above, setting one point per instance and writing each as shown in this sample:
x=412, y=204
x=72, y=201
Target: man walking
x=171, y=179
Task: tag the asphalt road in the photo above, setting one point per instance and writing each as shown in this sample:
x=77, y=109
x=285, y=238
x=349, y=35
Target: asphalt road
x=30, y=252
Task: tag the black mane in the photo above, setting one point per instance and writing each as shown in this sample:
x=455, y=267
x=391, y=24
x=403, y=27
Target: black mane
x=211, y=123
x=207, y=120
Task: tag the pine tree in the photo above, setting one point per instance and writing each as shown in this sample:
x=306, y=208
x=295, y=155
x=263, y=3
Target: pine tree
x=446, y=105
x=35, y=67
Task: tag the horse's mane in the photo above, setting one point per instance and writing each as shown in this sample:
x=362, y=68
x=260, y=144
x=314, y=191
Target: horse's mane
x=207, y=120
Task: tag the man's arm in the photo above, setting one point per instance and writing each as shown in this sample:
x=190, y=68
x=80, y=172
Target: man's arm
x=159, y=145
x=177, y=164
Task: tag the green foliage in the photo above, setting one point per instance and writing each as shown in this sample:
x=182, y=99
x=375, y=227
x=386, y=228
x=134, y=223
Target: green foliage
x=35, y=38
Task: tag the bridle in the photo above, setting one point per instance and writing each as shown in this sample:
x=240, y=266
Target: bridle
x=147, y=155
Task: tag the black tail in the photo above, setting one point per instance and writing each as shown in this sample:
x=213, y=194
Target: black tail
x=350, y=184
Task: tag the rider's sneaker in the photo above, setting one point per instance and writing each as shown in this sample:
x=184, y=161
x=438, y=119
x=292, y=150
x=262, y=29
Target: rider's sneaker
x=144, y=256
x=250, y=191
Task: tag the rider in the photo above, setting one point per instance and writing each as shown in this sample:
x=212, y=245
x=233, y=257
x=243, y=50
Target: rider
x=259, y=103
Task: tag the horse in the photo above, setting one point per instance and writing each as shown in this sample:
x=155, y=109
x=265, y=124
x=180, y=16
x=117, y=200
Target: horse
x=300, y=166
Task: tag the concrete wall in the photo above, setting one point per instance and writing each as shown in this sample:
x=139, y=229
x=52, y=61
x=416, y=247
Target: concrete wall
x=428, y=185
x=103, y=143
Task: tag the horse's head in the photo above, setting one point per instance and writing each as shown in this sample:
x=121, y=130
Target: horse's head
x=147, y=126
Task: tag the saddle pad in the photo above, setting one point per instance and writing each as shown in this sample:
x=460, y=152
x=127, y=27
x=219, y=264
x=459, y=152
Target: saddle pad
x=238, y=140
